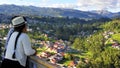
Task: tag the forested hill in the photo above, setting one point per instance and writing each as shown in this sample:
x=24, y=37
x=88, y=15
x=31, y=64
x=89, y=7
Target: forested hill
x=39, y=11
x=112, y=25
x=102, y=49
x=54, y=12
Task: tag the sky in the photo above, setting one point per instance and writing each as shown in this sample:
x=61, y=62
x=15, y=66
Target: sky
x=84, y=5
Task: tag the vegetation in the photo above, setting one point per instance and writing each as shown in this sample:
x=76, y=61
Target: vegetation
x=95, y=50
x=101, y=55
x=89, y=39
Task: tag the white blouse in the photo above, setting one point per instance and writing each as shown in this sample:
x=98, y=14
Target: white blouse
x=23, y=48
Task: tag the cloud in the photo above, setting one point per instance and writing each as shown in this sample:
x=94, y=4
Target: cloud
x=44, y=0
x=98, y=4
x=21, y=2
x=84, y=5
x=118, y=4
x=17, y=2
x=66, y=5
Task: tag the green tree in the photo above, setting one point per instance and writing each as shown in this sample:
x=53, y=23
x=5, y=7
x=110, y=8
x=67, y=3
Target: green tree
x=79, y=44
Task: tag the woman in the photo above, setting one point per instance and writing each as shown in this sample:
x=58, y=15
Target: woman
x=19, y=46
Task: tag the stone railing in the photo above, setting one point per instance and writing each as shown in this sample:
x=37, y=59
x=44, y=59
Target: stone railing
x=36, y=62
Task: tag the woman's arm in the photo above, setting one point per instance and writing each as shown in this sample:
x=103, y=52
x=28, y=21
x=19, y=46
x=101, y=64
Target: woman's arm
x=27, y=45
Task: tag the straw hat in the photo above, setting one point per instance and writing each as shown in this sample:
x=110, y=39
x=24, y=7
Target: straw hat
x=18, y=21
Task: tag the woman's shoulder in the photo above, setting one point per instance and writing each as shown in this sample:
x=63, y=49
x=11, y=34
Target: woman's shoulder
x=24, y=35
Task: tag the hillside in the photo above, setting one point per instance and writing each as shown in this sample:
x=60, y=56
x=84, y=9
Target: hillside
x=39, y=11
x=90, y=39
x=102, y=49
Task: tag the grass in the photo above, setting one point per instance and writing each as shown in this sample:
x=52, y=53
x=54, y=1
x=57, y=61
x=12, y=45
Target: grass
x=39, y=50
x=66, y=63
x=113, y=37
x=116, y=37
x=86, y=54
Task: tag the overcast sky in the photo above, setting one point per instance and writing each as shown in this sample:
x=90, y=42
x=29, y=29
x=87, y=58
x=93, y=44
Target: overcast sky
x=84, y=5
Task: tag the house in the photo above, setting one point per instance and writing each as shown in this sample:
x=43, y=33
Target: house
x=111, y=33
x=44, y=55
x=4, y=38
x=72, y=64
x=56, y=45
x=50, y=48
x=58, y=48
x=107, y=36
x=29, y=29
x=53, y=61
x=116, y=45
x=55, y=50
x=56, y=58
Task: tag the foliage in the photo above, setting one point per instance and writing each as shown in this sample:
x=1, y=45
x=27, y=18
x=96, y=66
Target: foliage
x=101, y=54
x=86, y=37
x=116, y=37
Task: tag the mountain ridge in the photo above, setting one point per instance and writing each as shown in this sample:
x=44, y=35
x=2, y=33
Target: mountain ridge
x=54, y=12
x=106, y=13
x=39, y=11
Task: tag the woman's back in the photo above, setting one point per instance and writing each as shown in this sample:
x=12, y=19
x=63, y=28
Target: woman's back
x=23, y=47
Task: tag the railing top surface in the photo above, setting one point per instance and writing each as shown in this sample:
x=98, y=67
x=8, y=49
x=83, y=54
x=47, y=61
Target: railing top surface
x=43, y=62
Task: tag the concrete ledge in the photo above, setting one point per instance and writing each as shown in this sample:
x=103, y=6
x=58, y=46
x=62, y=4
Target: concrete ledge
x=37, y=60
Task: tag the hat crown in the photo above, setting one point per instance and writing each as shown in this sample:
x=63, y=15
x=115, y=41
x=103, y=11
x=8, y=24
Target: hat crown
x=17, y=21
